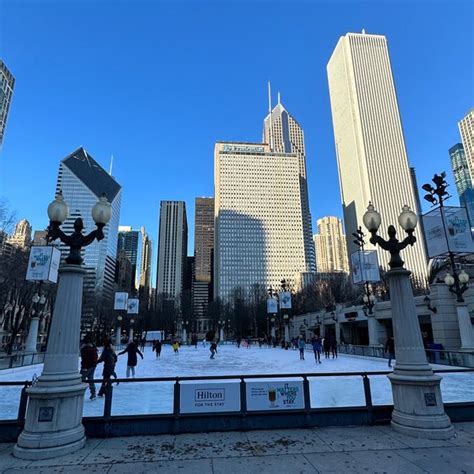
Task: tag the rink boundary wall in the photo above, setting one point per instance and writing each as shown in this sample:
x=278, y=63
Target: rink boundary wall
x=175, y=423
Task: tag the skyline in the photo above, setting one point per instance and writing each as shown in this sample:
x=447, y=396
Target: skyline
x=168, y=123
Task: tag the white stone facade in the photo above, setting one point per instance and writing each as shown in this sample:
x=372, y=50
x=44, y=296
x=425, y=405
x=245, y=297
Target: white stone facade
x=370, y=146
x=466, y=129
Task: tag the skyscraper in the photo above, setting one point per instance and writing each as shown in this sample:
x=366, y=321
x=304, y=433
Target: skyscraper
x=172, y=248
x=370, y=147
x=203, y=251
x=128, y=242
x=7, y=83
x=145, y=262
x=331, y=247
x=82, y=182
x=258, y=234
x=462, y=178
x=285, y=135
x=21, y=238
x=466, y=129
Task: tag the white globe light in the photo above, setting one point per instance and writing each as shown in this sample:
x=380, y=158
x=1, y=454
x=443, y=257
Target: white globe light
x=463, y=277
x=102, y=211
x=407, y=219
x=449, y=279
x=371, y=218
x=58, y=210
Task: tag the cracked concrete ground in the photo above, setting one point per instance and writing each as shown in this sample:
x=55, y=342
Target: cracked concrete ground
x=355, y=449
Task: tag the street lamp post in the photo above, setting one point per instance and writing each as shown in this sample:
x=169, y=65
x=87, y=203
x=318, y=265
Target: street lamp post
x=418, y=405
x=53, y=425
x=287, y=329
x=184, y=337
x=130, y=333
x=273, y=328
x=221, y=330
x=32, y=339
x=457, y=282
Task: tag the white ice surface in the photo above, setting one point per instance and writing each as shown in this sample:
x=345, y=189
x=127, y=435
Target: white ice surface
x=157, y=397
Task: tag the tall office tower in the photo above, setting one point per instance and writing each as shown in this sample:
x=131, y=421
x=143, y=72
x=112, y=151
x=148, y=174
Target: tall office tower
x=82, y=182
x=172, y=248
x=203, y=250
x=39, y=237
x=331, y=247
x=370, y=147
x=145, y=262
x=462, y=178
x=124, y=272
x=21, y=238
x=466, y=128
x=285, y=135
x=128, y=242
x=7, y=83
x=259, y=236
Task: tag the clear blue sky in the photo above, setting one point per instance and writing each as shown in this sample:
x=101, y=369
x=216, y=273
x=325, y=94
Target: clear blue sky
x=156, y=84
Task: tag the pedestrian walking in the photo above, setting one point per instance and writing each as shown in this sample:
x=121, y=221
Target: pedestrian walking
x=131, y=350
x=301, y=346
x=213, y=349
x=89, y=363
x=333, y=347
x=158, y=347
x=390, y=348
x=326, y=347
x=317, y=346
x=109, y=359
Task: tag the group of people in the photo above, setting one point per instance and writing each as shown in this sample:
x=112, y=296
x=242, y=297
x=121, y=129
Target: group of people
x=90, y=359
x=328, y=345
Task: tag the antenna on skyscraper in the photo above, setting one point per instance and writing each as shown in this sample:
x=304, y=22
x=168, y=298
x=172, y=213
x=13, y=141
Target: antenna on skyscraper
x=270, y=112
x=279, y=98
x=111, y=164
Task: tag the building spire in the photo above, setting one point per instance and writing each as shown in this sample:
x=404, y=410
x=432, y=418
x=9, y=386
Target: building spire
x=270, y=113
x=279, y=99
x=111, y=164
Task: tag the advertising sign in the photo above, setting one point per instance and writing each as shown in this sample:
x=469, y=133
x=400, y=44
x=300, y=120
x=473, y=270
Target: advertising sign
x=120, y=300
x=278, y=395
x=272, y=306
x=209, y=397
x=132, y=306
x=285, y=300
x=452, y=235
x=365, y=266
x=43, y=264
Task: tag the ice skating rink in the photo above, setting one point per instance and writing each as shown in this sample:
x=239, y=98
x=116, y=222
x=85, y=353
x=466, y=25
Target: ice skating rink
x=157, y=397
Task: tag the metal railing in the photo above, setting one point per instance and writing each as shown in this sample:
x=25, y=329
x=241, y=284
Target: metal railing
x=21, y=359
x=176, y=412
x=434, y=356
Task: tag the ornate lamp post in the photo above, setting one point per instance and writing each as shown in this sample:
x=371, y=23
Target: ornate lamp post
x=118, y=334
x=418, y=405
x=457, y=282
x=32, y=339
x=53, y=425
x=184, y=338
x=221, y=330
x=130, y=333
x=287, y=329
x=273, y=328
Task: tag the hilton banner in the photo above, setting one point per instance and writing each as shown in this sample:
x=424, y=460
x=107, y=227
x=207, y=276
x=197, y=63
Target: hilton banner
x=210, y=397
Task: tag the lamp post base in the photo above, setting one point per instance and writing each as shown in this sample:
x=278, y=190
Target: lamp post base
x=54, y=425
x=419, y=409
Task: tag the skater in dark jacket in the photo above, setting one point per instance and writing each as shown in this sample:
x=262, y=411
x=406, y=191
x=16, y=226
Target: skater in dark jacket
x=316, y=343
x=131, y=350
x=333, y=347
x=326, y=347
x=88, y=363
x=213, y=349
x=390, y=348
x=109, y=358
x=157, y=348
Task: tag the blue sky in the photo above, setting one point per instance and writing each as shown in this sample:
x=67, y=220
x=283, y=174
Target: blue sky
x=157, y=83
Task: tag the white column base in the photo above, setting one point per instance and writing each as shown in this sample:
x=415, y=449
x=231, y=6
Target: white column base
x=418, y=407
x=54, y=425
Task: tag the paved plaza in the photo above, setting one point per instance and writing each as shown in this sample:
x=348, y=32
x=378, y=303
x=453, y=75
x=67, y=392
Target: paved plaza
x=333, y=450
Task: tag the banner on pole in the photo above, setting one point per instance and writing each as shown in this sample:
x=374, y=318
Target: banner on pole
x=120, y=300
x=448, y=229
x=43, y=264
x=365, y=266
x=132, y=306
x=272, y=306
x=285, y=300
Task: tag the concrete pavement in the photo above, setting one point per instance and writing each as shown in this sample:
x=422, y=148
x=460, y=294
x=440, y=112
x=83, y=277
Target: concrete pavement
x=357, y=449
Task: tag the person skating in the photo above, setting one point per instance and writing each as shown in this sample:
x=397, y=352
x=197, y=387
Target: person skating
x=301, y=346
x=109, y=358
x=175, y=347
x=131, y=350
x=390, y=348
x=326, y=347
x=333, y=347
x=158, y=347
x=317, y=346
x=89, y=363
x=213, y=349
